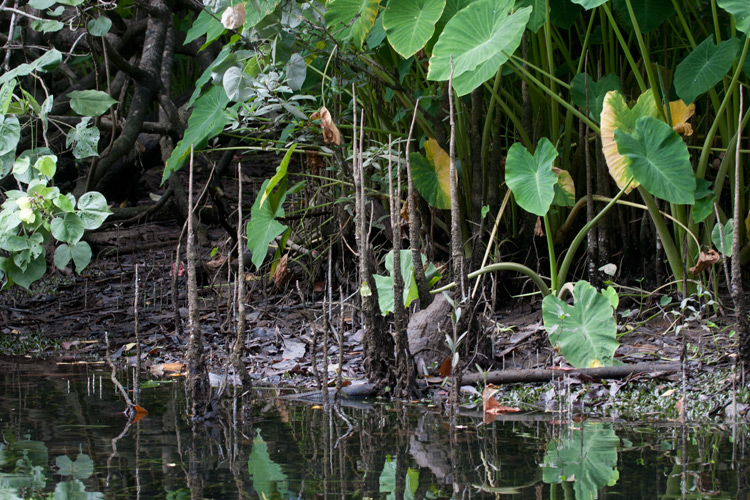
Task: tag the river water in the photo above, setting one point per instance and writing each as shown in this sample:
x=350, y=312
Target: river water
x=64, y=436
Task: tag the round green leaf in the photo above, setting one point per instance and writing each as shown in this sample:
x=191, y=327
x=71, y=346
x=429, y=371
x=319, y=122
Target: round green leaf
x=93, y=209
x=68, y=228
x=90, y=102
x=81, y=253
x=704, y=67
x=586, y=332
x=10, y=133
x=410, y=25
x=740, y=9
x=530, y=178
x=659, y=160
x=62, y=256
x=355, y=16
x=100, y=26
x=478, y=38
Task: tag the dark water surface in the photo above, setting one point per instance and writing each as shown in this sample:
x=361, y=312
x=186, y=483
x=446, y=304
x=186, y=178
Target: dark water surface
x=63, y=437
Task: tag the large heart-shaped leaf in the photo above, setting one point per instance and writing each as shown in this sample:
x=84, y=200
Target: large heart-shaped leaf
x=384, y=284
x=650, y=14
x=530, y=178
x=585, y=332
x=90, y=102
x=704, y=67
x=206, y=122
x=616, y=115
x=596, y=92
x=356, y=17
x=538, y=14
x=740, y=9
x=478, y=38
x=205, y=24
x=410, y=25
x=586, y=455
x=451, y=7
x=659, y=160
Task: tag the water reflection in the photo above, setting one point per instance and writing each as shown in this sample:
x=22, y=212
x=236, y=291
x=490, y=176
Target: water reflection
x=63, y=437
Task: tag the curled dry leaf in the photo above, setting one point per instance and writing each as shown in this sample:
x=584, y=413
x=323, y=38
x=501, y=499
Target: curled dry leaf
x=282, y=275
x=680, y=114
x=492, y=408
x=705, y=260
x=234, y=16
x=331, y=133
x=538, y=230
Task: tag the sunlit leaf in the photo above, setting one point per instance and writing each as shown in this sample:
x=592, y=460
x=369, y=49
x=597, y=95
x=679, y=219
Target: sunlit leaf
x=680, y=114
x=356, y=17
x=479, y=38
x=410, y=25
x=740, y=9
x=616, y=115
x=530, y=178
x=659, y=160
x=586, y=331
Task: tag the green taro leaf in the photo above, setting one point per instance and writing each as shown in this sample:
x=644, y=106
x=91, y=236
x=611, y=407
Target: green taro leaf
x=10, y=133
x=538, y=13
x=650, y=14
x=90, y=102
x=356, y=17
x=384, y=284
x=410, y=25
x=723, y=233
x=478, y=38
x=659, y=160
x=100, y=26
x=206, y=122
x=84, y=139
x=740, y=9
x=68, y=229
x=704, y=67
x=585, y=455
x=530, y=178
x=589, y=4
x=93, y=209
x=596, y=92
x=585, y=332
x=704, y=200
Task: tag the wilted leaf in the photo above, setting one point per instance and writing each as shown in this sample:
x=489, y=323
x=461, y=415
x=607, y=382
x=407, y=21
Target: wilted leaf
x=565, y=189
x=234, y=16
x=705, y=261
x=331, y=133
x=681, y=113
x=445, y=368
x=282, y=274
x=491, y=407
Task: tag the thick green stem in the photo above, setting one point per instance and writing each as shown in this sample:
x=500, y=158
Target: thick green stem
x=670, y=249
x=552, y=256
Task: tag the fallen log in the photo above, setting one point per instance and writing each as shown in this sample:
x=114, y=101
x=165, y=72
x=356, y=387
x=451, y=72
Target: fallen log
x=545, y=374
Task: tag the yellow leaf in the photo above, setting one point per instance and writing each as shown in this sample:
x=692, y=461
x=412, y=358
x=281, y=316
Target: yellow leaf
x=680, y=114
x=129, y=346
x=442, y=163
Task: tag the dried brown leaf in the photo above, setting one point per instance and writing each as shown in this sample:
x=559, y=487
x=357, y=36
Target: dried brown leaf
x=331, y=133
x=705, y=261
x=234, y=16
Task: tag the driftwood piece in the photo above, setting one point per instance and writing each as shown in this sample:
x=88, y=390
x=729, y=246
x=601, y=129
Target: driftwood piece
x=545, y=375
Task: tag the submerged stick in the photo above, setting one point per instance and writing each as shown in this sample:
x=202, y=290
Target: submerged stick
x=545, y=375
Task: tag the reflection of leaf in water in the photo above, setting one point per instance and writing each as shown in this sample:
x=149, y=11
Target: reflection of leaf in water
x=587, y=456
x=29, y=481
x=75, y=490
x=412, y=483
x=36, y=451
x=388, y=478
x=269, y=481
x=82, y=468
